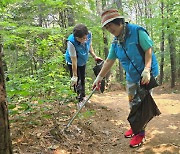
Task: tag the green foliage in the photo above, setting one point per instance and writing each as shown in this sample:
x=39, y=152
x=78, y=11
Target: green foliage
x=87, y=114
x=34, y=51
x=48, y=81
x=3, y=3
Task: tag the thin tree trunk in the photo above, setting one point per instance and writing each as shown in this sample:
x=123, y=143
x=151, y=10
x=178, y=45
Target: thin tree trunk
x=146, y=12
x=172, y=50
x=162, y=46
x=62, y=19
x=98, y=7
x=105, y=40
x=178, y=65
x=40, y=24
x=172, y=58
x=70, y=17
x=162, y=58
x=5, y=140
x=140, y=11
x=105, y=44
x=121, y=74
x=119, y=5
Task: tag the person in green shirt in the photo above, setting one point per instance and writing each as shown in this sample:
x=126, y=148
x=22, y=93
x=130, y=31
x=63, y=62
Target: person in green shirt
x=128, y=40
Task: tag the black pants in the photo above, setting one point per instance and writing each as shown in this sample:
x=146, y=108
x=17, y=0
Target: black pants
x=80, y=87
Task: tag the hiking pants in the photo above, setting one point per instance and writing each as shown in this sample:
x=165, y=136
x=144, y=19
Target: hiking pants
x=80, y=87
x=131, y=90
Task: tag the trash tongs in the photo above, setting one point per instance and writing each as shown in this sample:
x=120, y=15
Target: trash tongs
x=84, y=102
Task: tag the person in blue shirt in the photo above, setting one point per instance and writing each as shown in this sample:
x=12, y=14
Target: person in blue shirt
x=128, y=39
x=79, y=45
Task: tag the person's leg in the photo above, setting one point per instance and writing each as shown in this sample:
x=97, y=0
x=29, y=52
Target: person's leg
x=71, y=74
x=131, y=91
x=70, y=69
x=82, y=73
x=137, y=139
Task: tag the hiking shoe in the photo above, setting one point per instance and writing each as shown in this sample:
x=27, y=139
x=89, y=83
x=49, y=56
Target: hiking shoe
x=85, y=98
x=79, y=105
x=137, y=140
x=129, y=133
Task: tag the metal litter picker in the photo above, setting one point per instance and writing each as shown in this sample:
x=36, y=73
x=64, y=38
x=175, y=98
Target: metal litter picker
x=84, y=102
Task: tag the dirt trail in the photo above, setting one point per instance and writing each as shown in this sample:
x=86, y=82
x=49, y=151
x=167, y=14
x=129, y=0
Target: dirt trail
x=100, y=127
x=103, y=133
x=162, y=133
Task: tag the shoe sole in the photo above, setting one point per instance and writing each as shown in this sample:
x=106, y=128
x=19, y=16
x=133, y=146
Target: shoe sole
x=135, y=146
x=129, y=136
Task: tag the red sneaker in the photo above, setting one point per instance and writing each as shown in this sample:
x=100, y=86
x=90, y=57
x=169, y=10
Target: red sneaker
x=137, y=140
x=129, y=133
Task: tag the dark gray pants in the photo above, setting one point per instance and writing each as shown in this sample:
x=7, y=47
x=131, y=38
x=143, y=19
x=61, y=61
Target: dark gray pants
x=80, y=87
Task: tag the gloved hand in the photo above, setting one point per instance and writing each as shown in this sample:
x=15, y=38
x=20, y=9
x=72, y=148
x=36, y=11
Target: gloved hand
x=74, y=80
x=98, y=59
x=97, y=82
x=145, y=76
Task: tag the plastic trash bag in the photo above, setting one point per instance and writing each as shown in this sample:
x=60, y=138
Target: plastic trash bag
x=143, y=110
x=96, y=70
x=152, y=83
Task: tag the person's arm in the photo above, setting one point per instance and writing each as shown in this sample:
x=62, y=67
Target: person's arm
x=73, y=56
x=146, y=43
x=74, y=65
x=91, y=49
x=96, y=58
x=93, y=54
x=148, y=58
x=74, y=78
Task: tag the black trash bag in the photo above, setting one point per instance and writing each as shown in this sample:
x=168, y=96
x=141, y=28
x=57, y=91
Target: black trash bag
x=143, y=110
x=152, y=83
x=96, y=70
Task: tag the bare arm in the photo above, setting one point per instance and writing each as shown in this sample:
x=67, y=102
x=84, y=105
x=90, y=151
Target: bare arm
x=92, y=51
x=148, y=58
x=93, y=54
x=74, y=65
x=146, y=72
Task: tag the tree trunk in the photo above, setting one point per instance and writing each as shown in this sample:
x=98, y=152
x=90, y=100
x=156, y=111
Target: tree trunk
x=98, y=7
x=62, y=19
x=162, y=46
x=146, y=12
x=172, y=50
x=119, y=5
x=121, y=74
x=5, y=141
x=70, y=17
x=40, y=21
x=178, y=65
x=105, y=44
x=140, y=14
x=172, y=58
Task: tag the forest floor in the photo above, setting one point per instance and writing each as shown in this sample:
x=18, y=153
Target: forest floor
x=100, y=127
